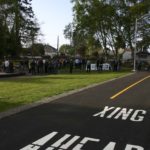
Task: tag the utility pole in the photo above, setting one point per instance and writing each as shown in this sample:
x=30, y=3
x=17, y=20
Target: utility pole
x=135, y=39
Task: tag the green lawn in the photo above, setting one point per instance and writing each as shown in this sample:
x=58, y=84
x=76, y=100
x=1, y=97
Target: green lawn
x=24, y=90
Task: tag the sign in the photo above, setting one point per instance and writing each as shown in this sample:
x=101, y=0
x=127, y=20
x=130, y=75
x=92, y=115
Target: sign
x=106, y=67
x=93, y=67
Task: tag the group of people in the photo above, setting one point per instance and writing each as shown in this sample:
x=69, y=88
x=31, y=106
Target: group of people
x=39, y=65
x=31, y=66
x=43, y=65
x=77, y=63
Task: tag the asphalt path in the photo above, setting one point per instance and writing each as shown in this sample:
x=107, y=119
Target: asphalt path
x=87, y=120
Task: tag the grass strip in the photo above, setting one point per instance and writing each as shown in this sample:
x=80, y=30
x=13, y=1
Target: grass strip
x=24, y=90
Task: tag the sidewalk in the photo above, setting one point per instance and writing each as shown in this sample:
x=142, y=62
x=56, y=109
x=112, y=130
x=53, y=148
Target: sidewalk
x=4, y=75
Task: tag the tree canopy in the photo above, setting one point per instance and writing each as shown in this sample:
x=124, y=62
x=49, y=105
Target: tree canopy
x=109, y=24
x=17, y=26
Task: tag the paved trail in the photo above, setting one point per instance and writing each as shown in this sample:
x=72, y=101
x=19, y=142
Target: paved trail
x=111, y=116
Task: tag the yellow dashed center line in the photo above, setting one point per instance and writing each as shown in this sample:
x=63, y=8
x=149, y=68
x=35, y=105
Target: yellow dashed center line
x=127, y=88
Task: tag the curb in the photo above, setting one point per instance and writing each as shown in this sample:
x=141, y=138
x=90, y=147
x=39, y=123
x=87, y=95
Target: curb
x=52, y=98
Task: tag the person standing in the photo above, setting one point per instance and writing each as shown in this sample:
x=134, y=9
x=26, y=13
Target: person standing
x=98, y=64
x=71, y=65
x=33, y=64
x=88, y=64
x=6, y=64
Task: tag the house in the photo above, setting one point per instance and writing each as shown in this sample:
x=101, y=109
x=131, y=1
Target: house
x=127, y=55
x=143, y=60
x=50, y=51
x=143, y=56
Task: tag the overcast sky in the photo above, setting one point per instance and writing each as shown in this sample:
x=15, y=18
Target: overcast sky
x=53, y=16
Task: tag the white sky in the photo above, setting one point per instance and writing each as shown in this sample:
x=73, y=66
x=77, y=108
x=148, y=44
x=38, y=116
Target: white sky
x=53, y=16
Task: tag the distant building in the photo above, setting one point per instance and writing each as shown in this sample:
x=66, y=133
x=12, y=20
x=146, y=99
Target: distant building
x=127, y=55
x=143, y=60
x=50, y=51
x=143, y=56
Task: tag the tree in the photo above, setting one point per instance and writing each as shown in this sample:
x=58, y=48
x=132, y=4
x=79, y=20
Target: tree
x=67, y=49
x=37, y=49
x=112, y=23
x=17, y=22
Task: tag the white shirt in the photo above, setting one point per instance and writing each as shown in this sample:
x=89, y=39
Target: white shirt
x=6, y=63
